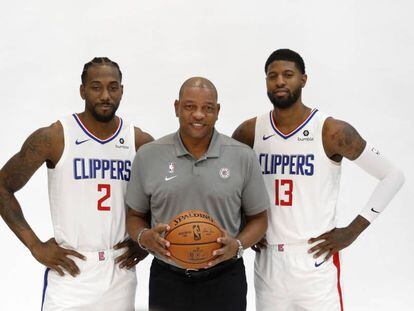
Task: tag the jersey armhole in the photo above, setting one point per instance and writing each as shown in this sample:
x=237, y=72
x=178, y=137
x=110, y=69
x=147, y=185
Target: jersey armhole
x=65, y=145
x=323, y=118
x=258, y=128
x=132, y=133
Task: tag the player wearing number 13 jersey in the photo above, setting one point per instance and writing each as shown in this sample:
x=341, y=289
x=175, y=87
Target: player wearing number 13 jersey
x=300, y=179
x=90, y=261
x=300, y=152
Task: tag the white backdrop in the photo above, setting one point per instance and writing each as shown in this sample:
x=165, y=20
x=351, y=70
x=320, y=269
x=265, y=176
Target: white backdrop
x=360, y=66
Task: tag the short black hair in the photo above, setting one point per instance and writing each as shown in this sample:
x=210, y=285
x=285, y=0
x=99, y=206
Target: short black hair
x=288, y=55
x=99, y=61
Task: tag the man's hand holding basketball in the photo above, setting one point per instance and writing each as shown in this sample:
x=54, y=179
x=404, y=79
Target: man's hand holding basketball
x=227, y=251
x=53, y=256
x=153, y=241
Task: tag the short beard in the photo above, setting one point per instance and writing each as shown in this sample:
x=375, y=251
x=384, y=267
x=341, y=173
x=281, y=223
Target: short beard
x=104, y=118
x=284, y=103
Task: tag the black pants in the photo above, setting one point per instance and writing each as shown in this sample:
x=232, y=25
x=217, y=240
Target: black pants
x=224, y=290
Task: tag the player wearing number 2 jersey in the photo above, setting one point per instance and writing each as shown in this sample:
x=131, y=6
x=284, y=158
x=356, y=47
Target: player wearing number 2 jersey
x=300, y=152
x=90, y=260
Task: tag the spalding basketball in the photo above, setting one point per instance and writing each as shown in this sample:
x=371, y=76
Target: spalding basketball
x=193, y=238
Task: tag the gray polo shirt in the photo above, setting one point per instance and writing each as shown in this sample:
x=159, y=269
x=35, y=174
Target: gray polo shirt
x=167, y=180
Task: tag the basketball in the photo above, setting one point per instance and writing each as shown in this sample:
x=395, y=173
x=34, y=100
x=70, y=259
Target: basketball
x=193, y=238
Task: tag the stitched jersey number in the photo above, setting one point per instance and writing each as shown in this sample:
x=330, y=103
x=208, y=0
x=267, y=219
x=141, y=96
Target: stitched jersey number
x=283, y=192
x=107, y=193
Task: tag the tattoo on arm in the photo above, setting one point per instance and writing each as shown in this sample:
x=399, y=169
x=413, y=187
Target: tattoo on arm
x=12, y=213
x=343, y=140
x=22, y=166
x=15, y=174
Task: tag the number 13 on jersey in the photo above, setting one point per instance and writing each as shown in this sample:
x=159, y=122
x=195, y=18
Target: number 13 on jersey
x=283, y=192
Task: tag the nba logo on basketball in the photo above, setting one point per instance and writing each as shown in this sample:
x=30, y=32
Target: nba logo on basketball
x=196, y=232
x=101, y=255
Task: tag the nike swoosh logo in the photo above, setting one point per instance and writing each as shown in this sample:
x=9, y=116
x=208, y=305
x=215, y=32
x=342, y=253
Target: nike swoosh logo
x=267, y=137
x=318, y=264
x=81, y=141
x=169, y=178
x=374, y=211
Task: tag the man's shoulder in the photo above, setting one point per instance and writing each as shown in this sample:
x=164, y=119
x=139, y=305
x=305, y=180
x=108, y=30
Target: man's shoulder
x=160, y=143
x=232, y=144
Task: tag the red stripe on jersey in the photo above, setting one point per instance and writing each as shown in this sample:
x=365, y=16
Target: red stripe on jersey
x=338, y=268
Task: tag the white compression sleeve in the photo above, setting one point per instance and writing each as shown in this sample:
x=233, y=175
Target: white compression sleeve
x=390, y=181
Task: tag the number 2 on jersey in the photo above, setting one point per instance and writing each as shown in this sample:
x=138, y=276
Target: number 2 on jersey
x=283, y=192
x=107, y=189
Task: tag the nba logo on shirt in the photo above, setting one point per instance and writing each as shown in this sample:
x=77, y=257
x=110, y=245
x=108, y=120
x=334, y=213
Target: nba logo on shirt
x=171, y=168
x=101, y=255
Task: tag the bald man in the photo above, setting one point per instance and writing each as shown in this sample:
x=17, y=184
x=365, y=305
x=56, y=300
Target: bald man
x=197, y=168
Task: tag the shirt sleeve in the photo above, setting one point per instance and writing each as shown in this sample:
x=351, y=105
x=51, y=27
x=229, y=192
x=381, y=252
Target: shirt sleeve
x=254, y=195
x=135, y=197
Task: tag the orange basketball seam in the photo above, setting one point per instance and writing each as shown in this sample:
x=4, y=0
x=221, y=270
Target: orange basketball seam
x=199, y=243
x=192, y=222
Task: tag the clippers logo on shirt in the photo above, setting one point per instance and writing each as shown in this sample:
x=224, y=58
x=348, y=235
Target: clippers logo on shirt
x=293, y=164
x=101, y=169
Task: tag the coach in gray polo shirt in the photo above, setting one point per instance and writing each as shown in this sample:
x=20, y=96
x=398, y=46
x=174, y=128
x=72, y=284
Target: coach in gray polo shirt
x=197, y=168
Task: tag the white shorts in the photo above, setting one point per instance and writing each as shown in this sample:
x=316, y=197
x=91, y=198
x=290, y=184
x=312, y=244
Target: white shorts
x=101, y=285
x=287, y=278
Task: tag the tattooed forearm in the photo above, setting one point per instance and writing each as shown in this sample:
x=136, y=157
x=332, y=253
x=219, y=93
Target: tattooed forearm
x=12, y=213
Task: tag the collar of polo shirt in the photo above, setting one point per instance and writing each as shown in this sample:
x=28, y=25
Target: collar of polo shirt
x=213, y=150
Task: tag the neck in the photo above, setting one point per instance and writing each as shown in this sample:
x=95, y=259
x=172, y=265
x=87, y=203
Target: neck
x=102, y=130
x=290, y=118
x=197, y=147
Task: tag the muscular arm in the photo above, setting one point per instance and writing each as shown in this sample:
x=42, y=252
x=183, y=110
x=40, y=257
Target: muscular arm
x=341, y=140
x=40, y=147
x=245, y=132
x=141, y=138
x=44, y=145
x=254, y=230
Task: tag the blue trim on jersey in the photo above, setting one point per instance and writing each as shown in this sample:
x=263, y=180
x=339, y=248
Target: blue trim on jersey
x=44, y=286
x=295, y=131
x=93, y=136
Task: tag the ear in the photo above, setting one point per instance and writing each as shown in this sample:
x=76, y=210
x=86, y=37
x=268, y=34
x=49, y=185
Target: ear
x=304, y=79
x=218, y=110
x=176, y=104
x=122, y=90
x=82, y=91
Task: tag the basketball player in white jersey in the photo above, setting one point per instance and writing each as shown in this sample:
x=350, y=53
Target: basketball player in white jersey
x=90, y=261
x=300, y=150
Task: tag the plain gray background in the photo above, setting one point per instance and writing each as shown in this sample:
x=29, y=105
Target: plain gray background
x=359, y=61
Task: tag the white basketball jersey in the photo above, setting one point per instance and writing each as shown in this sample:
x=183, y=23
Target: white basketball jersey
x=301, y=180
x=88, y=184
